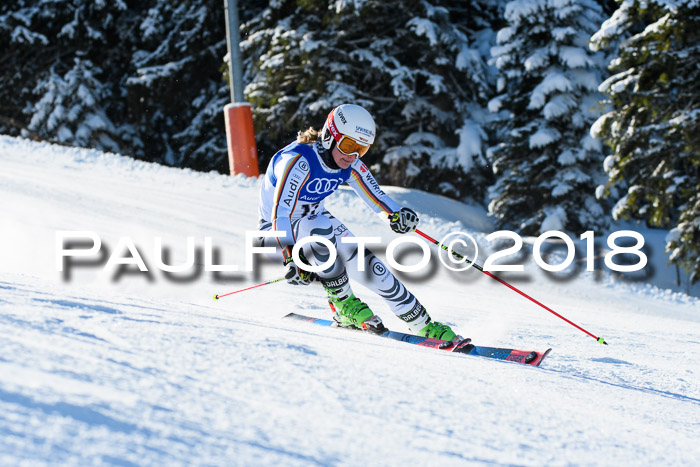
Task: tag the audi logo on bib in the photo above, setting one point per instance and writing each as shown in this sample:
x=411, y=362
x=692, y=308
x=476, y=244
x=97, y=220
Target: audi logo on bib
x=320, y=186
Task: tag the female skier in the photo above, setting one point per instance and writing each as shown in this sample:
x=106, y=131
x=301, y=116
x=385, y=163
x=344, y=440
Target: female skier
x=298, y=179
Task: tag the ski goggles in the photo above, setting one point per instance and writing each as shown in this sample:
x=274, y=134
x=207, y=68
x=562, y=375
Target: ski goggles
x=349, y=146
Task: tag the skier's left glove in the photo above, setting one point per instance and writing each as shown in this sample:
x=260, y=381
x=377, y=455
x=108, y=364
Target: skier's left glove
x=403, y=221
x=295, y=275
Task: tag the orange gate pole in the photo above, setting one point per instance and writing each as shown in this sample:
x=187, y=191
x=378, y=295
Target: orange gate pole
x=240, y=137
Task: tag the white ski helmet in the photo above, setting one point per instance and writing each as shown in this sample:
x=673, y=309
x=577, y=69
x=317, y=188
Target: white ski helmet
x=351, y=128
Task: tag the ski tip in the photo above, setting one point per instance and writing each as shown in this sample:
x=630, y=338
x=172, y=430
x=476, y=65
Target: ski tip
x=216, y=296
x=544, y=354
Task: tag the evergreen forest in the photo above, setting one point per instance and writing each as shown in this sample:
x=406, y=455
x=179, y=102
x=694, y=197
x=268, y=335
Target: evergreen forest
x=552, y=114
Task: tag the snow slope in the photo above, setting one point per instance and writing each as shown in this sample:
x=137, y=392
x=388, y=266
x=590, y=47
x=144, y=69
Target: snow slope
x=122, y=367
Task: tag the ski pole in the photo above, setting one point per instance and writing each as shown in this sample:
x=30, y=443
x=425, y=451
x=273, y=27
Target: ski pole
x=217, y=296
x=462, y=258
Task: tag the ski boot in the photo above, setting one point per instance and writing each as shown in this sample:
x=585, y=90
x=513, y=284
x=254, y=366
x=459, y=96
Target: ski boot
x=348, y=310
x=418, y=320
x=435, y=330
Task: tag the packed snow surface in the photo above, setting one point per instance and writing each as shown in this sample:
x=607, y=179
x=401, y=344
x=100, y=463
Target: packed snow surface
x=112, y=365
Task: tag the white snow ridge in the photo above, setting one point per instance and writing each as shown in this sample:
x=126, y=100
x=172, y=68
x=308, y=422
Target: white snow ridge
x=126, y=367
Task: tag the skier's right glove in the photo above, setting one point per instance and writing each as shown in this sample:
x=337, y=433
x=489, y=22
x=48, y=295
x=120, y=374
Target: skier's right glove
x=295, y=275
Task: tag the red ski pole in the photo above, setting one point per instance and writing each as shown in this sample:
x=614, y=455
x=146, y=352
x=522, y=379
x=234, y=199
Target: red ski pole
x=217, y=296
x=462, y=258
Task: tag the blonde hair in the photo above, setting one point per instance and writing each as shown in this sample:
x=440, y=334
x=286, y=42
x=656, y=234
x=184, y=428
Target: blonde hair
x=307, y=136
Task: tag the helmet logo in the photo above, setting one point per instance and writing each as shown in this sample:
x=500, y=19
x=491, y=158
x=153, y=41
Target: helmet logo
x=331, y=126
x=367, y=132
x=342, y=117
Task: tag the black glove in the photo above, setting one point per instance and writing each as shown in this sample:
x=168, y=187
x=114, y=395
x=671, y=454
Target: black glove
x=295, y=275
x=403, y=221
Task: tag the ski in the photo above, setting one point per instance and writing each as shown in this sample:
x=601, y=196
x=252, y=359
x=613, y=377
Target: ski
x=526, y=357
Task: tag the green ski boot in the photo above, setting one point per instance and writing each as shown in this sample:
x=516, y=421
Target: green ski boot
x=349, y=310
x=435, y=330
x=418, y=320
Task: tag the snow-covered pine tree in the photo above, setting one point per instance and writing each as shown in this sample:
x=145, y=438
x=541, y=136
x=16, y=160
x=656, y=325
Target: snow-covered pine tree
x=72, y=109
x=547, y=163
x=450, y=83
x=407, y=62
x=653, y=128
x=51, y=83
x=21, y=56
x=176, y=88
x=153, y=73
